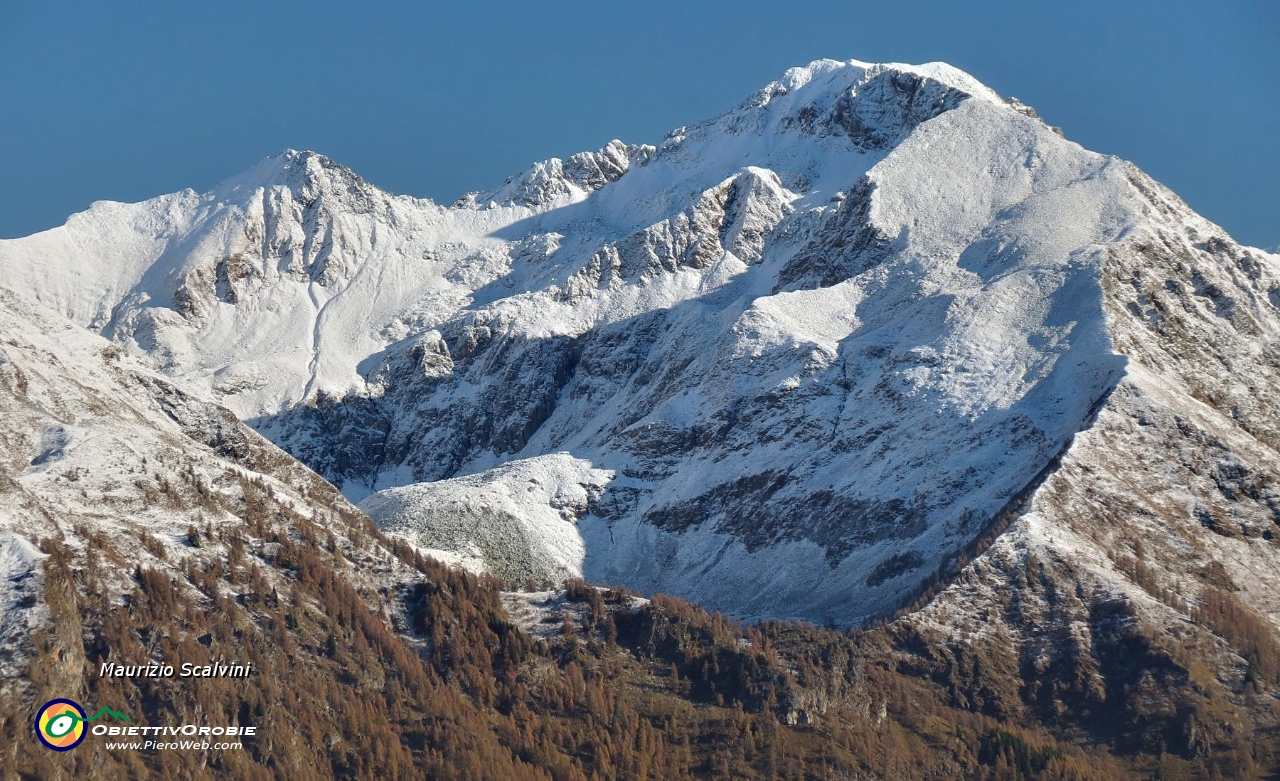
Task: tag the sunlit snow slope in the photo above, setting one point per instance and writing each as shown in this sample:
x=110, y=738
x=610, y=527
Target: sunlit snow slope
x=789, y=362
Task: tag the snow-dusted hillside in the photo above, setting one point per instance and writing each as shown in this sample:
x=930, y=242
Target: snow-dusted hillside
x=789, y=362
x=116, y=467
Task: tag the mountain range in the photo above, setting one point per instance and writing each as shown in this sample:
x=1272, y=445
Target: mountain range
x=791, y=362
x=876, y=348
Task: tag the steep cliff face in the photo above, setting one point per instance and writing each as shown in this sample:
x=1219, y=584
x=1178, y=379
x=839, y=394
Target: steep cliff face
x=792, y=361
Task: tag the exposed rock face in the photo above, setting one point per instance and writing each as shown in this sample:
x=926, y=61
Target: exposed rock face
x=797, y=358
x=554, y=179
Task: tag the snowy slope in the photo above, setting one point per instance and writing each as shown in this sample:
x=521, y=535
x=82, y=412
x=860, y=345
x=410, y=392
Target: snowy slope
x=792, y=360
x=113, y=466
x=518, y=520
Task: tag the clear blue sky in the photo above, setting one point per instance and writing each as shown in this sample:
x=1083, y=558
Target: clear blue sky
x=126, y=100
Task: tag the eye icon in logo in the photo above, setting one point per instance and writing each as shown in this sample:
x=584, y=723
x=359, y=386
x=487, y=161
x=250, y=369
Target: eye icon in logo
x=60, y=724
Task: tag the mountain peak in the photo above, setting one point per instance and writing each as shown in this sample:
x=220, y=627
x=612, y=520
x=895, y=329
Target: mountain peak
x=865, y=105
x=306, y=173
x=872, y=105
x=549, y=180
x=849, y=73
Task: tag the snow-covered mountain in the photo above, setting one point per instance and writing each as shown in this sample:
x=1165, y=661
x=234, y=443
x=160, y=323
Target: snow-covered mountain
x=792, y=361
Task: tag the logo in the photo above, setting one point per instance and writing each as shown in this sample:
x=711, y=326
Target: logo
x=60, y=723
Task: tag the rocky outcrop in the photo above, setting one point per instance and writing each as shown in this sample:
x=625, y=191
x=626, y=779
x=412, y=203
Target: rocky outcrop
x=555, y=179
